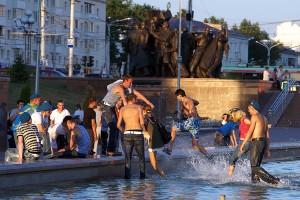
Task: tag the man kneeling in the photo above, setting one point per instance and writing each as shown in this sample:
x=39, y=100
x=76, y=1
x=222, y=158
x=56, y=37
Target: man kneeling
x=79, y=140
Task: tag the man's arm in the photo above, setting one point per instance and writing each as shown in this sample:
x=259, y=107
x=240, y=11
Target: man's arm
x=267, y=151
x=119, y=124
x=142, y=122
x=72, y=141
x=94, y=126
x=20, y=149
x=250, y=132
x=120, y=89
x=140, y=96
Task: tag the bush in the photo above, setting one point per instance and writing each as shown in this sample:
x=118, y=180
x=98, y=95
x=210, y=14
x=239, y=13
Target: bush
x=25, y=93
x=19, y=72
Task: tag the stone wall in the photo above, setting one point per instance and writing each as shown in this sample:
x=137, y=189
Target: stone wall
x=4, y=82
x=216, y=96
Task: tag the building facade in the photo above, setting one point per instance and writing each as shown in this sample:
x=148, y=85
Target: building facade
x=89, y=32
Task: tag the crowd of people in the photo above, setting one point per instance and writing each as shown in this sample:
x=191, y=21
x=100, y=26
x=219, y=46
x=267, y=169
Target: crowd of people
x=278, y=76
x=43, y=132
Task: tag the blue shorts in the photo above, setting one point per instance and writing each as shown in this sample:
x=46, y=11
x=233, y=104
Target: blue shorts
x=190, y=125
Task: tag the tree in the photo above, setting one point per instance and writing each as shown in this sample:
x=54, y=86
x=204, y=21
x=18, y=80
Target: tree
x=257, y=53
x=19, y=72
x=25, y=93
x=214, y=20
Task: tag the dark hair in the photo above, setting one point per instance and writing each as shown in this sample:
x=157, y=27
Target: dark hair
x=78, y=106
x=20, y=101
x=267, y=68
x=131, y=96
x=60, y=101
x=180, y=92
x=147, y=108
x=91, y=100
x=98, y=103
x=127, y=77
x=66, y=119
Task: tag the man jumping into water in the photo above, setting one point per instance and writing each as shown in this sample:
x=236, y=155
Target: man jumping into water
x=192, y=124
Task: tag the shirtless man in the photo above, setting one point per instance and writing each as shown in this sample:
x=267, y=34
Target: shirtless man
x=134, y=132
x=192, y=124
x=116, y=91
x=260, y=137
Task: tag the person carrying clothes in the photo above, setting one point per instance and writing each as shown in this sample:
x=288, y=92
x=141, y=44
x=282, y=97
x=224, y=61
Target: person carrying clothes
x=116, y=91
x=155, y=141
x=239, y=116
x=29, y=140
x=226, y=134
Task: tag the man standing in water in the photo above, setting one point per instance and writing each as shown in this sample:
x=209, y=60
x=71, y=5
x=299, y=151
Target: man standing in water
x=192, y=124
x=259, y=133
x=134, y=131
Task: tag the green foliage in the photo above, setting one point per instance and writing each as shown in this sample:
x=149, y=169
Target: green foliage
x=214, y=20
x=257, y=53
x=90, y=92
x=25, y=93
x=19, y=72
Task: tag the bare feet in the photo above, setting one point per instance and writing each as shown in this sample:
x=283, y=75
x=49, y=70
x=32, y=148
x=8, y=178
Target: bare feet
x=230, y=170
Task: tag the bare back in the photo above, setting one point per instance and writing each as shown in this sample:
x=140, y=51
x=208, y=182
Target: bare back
x=132, y=116
x=260, y=126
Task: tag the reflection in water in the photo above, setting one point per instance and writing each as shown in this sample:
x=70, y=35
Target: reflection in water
x=201, y=181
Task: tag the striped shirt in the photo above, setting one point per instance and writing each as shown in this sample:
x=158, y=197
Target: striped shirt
x=31, y=137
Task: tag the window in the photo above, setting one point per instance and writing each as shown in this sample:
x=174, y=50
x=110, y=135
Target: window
x=81, y=9
x=14, y=13
x=87, y=8
x=52, y=39
x=86, y=26
x=66, y=5
x=98, y=29
x=58, y=39
x=75, y=41
x=7, y=54
x=76, y=23
x=8, y=34
x=92, y=26
x=98, y=12
x=86, y=42
x=2, y=10
x=1, y=31
x=9, y=14
x=2, y=53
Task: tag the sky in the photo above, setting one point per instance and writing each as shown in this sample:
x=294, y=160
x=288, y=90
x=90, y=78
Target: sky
x=268, y=13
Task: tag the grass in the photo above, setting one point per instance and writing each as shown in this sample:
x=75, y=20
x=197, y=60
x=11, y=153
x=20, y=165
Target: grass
x=50, y=91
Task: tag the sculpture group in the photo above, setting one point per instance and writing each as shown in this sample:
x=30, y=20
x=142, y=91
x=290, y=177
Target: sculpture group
x=153, y=50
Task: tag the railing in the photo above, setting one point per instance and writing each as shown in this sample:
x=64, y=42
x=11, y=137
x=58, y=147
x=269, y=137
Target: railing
x=281, y=97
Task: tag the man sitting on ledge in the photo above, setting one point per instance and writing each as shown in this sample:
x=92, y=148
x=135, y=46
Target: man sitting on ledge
x=29, y=140
x=79, y=140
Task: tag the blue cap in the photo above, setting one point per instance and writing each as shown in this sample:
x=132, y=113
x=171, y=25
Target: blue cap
x=255, y=105
x=45, y=106
x=25, y=117
x=35, y=95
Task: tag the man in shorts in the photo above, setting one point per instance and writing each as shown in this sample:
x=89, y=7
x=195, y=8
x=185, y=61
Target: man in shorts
x=191, y=124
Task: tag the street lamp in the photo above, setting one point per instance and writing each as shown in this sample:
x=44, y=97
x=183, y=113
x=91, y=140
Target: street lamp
x=107, y=41
x=269, y=46
x=25, y=24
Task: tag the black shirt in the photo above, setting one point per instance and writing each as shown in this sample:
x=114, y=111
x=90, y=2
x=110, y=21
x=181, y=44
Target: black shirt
x=89, y=114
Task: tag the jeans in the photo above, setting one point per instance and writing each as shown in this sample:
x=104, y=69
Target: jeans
x=257, y=151
x=137, y=141
x=237, y=153
x=111, y=119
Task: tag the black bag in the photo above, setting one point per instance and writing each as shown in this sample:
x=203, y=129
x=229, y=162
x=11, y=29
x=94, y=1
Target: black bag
x=166, y=135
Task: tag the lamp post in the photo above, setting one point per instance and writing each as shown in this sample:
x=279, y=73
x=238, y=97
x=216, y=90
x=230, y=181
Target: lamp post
x=268, y=45
x=179, y=59
x=107, y=42
x=25, y=24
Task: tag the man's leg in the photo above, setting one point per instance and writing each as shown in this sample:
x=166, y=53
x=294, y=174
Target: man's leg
x=128, y=145
x=196, y=145
x=173, y=134
x=139, y=148
x=104, y=136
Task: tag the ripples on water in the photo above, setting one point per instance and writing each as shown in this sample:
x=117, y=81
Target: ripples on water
x=197, y=179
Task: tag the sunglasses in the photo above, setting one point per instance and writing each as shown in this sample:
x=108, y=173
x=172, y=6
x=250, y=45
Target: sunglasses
x=234, y=109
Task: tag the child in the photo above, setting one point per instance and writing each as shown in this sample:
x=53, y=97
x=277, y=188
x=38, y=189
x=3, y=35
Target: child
x=226, y=133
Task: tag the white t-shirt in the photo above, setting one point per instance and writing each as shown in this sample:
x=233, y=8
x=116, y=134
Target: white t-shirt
x=266, y=75
x=54, y=130
x=37, y=118
x=59, y=117
x=280, y=75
